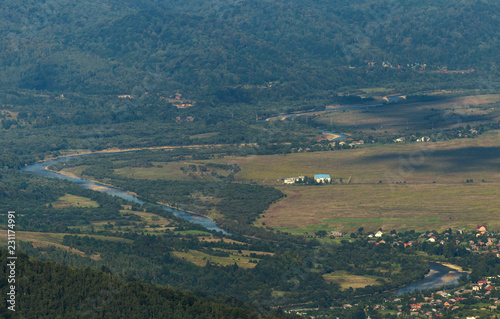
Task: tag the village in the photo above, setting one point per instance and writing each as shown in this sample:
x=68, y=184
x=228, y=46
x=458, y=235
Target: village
x=472, y=298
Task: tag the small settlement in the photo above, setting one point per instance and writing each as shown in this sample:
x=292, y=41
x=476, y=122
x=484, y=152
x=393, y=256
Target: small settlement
x=318, y=179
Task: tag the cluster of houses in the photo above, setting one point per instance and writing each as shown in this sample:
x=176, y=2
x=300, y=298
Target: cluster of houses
x=467, y=133
x=318, y=178
x=433, y=304
x=481, y=241
x=352, y=144
x=451, y=300
x=479, y=299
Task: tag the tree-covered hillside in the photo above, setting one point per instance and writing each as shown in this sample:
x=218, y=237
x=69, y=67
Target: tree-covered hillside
x=48, y=290
x=203, y=48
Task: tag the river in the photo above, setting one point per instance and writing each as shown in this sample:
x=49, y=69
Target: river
x=41, y=169
x=439, y=276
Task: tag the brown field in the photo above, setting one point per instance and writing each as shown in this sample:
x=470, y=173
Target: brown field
x=40, y=239
x=43, y=240
x=69, y=200
x=151, y=219
x=373, y=206
x=170, y=171
x=423, y=186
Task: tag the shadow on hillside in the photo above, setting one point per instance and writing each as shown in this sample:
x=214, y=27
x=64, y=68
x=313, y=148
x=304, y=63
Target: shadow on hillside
x=455, y=160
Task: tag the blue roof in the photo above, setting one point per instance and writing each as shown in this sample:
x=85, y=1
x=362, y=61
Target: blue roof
x=322, y=176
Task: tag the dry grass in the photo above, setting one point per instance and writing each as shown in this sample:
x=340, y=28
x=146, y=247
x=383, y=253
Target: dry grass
x=200, y=259
x=401, y=206
x=69, y=200
x=347, y=281
x=443, y=162
x=43, y=240
x=150, y=219
x=168, y=171
x=39, y=239
x=414, y=202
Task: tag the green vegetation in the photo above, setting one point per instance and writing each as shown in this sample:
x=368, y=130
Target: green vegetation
x=48, y=290
x=236, y=50
x=215, y=103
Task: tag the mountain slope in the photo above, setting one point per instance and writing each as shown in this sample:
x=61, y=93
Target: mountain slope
x=48, y=290
x=203, y=46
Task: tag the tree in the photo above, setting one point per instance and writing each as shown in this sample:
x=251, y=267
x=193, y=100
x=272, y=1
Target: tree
x=321, y=233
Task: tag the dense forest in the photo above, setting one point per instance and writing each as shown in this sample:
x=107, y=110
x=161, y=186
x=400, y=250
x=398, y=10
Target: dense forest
x=245, y=50
x=49, y=290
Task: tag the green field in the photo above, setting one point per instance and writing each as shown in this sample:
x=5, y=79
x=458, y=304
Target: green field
x=200, y=258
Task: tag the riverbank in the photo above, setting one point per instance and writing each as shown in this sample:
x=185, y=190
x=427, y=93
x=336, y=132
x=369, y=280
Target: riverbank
x=438, y=276
x=93, y=187
x=451, y=266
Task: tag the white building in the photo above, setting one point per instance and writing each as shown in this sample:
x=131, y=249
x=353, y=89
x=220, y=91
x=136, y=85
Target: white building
x=322, y=178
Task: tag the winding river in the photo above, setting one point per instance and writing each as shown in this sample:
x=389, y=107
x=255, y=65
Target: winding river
x=439, y=275
x=41, y=169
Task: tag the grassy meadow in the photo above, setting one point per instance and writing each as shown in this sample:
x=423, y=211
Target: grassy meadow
x=395, y=186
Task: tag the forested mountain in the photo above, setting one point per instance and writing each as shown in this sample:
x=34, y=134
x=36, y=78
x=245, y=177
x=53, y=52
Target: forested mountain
x=49, y=290
x=206, y=47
